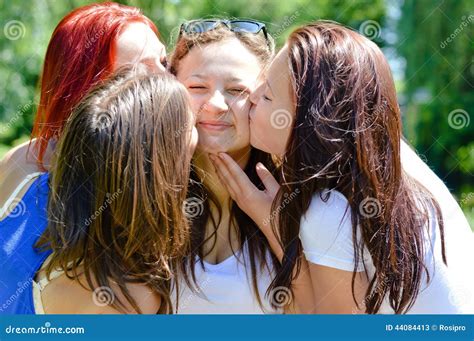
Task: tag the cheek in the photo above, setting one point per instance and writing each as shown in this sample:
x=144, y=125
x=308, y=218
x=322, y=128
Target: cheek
x=261, y=119
x=240, y=110
x=272, y=126
x=197, y=102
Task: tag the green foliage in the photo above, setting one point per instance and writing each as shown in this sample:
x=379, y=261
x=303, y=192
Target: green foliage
x=438, y=76
x=435, y=38
x=23, y=48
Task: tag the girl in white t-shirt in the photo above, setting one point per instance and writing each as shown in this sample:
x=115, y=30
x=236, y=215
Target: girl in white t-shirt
x=379, y=231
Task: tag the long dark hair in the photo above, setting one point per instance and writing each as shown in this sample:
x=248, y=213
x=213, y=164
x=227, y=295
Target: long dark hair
x=115, y=204
x=346, y=137
x=248, y=231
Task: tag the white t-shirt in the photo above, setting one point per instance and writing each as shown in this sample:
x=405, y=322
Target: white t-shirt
x=226, y=288
x=326, y=236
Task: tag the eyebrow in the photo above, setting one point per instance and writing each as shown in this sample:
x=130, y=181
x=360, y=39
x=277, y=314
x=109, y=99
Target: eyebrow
x=229, y=79
x=268, y=84
x=197, y=75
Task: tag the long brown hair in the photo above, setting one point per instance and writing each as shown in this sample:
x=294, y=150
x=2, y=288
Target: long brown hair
x=115, y=205
x=248, y=231
x=346, y=137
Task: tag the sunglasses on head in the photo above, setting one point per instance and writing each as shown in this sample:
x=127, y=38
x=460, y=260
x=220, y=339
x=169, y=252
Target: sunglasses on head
x=237, y=26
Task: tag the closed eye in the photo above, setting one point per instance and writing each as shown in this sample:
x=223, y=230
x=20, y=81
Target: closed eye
x=197, y=89
x=238, y=91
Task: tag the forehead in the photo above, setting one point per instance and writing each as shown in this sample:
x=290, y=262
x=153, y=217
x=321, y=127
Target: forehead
x=228, y=59
x=278, y=70
x=138, y=37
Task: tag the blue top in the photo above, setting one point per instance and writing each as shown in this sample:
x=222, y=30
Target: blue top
x=19, y=260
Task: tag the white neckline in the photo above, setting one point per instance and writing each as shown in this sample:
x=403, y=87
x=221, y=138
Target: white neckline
x=14, y=194
x=234, y=257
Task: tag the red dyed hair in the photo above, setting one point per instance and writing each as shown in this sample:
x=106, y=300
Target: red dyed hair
x=81, y=53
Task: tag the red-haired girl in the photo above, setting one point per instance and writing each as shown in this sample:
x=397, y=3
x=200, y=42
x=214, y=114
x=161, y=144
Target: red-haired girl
x=86, y=47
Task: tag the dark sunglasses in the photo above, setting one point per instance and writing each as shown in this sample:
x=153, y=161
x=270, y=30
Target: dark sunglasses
x=237, y=26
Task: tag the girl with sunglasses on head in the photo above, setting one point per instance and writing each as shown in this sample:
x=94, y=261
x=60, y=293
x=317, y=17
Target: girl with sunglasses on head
x=380, y=231
x=230, y=266
x=114, y=228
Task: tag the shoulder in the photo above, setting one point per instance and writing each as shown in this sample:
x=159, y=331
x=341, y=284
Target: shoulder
x=82, y=300
x=326, y=232
x=418, y=170
x=18, y=160
x=327, y=208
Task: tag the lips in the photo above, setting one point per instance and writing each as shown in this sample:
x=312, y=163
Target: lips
x=214, y=125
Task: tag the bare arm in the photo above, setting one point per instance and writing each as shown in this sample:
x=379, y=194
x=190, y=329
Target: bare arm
x=332, y=290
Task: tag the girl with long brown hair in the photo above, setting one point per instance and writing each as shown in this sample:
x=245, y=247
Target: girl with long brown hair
x=86, y=47
x=115, y=227
x=380, y=231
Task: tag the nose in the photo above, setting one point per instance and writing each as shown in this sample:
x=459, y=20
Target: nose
x=217, y=102
x=153, y=65
x=160, y=64
x=254, y=95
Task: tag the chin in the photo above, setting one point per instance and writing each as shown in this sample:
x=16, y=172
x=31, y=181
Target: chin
x=257, y=143
x=212, y=148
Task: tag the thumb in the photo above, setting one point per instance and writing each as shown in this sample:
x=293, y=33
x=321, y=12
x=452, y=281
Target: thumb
x=271, y=185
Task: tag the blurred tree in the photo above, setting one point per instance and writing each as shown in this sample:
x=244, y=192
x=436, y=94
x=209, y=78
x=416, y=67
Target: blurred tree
x=436, y=39
x=26, y=30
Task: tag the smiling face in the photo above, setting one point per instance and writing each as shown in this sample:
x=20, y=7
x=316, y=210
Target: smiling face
x=273, y=110
x=138, y=44
x=219, y=77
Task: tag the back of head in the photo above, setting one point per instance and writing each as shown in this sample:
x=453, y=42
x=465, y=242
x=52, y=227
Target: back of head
x=119, y=181
x=81, y=53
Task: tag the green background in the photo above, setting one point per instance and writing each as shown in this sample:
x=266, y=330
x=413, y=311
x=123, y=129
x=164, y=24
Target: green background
x=430, y=46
